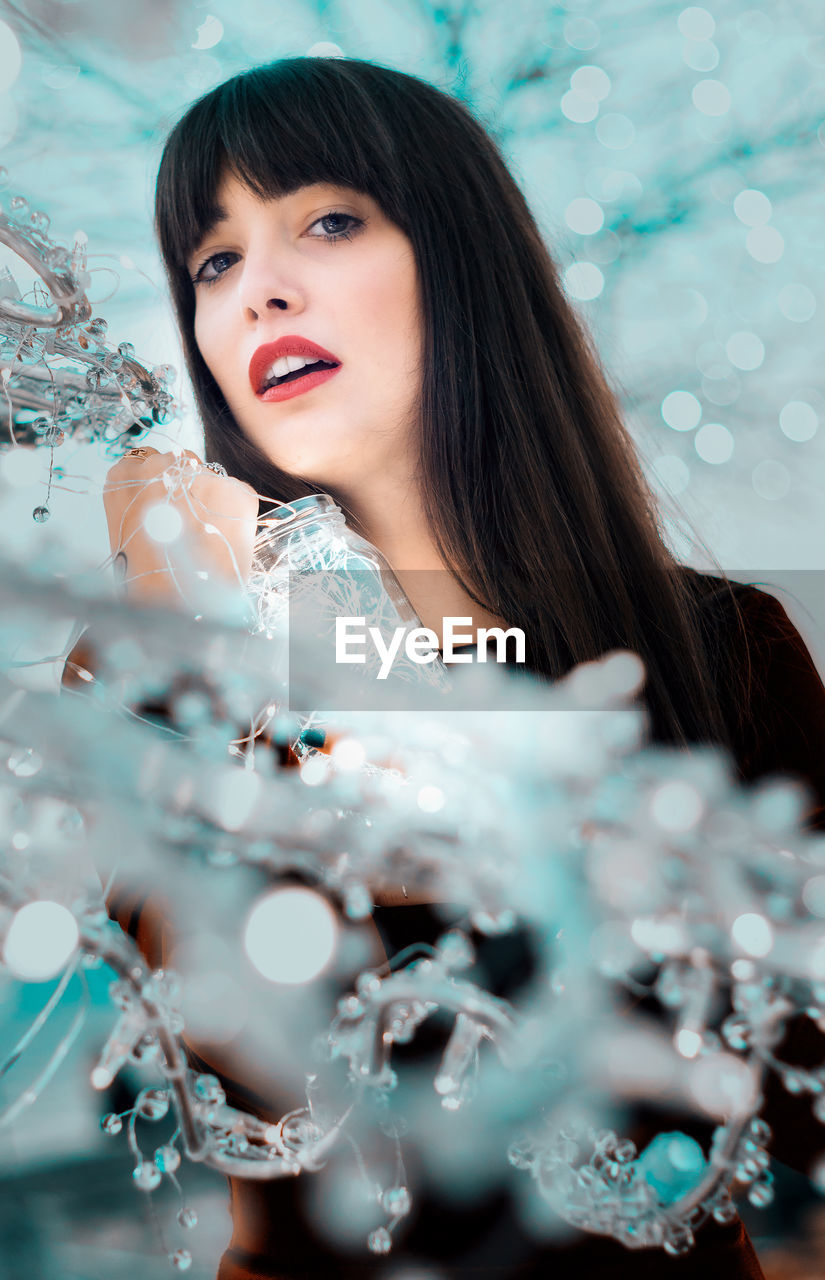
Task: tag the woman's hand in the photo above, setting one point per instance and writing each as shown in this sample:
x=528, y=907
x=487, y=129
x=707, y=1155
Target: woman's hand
x=215, y=517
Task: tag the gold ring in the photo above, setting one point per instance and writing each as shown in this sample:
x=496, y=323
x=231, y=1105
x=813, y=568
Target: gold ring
x=137, y=453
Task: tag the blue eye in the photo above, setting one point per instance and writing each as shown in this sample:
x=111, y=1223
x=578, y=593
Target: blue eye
x=355, y=224
x=216, y=258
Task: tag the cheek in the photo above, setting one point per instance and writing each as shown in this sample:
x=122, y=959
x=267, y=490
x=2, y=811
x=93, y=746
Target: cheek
x=395, y=313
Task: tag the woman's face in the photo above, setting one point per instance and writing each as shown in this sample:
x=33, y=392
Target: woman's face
x=324, y=265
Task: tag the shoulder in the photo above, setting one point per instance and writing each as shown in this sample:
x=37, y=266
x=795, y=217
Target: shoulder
x=766, y=680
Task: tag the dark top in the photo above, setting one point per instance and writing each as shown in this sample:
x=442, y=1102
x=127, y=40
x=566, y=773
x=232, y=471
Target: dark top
x=780, y=729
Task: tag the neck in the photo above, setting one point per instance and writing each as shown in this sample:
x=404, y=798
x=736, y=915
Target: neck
x=393, y=520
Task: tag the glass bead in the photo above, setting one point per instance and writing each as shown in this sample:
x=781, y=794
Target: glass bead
x=41, y=425
x=40, y=221
x=397, y=1201
x=95, y=378
x=146, y=1048
x=379, y=1241
x=97, y=327
x=167, y=1159
x=41, y=514
x=54, y=436
x=187, y=1218
x=111, y=1124
x=126, y=350
x=761, y=1195
x=114, y=361
x=350, y=1007
x=760, y=1131
x=679, y=1243
x=146, y=1176
x=455, y=949
x=367, y=984
x=724, y=1212
x=208, y=1089
x=181, y=1259
x=161, y=416
x=152, y=1104
x=19, y=207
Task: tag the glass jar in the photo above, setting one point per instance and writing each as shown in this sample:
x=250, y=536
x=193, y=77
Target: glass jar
x=309, y=566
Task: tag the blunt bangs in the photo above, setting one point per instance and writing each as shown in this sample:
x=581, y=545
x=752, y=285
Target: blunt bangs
x=277, y=127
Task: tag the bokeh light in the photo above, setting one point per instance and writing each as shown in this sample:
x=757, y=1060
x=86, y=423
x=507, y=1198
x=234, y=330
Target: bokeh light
x=40, y=941
x=714, y=443
x=583, y=281
x=681, y=410
x=798, y=420
x=290, y=935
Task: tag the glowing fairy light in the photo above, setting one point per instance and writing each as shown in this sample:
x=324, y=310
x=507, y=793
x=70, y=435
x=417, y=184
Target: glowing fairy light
x=688, y=1043
x=41, y=939
x=290, y=935
x=163, y=522
x=348, y=755
x=315, y=770
x=753, y=933
x=430, y=799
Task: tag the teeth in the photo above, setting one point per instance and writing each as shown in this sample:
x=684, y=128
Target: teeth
x=287, y=364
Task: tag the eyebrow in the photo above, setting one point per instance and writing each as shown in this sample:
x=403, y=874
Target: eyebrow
x=218, y=214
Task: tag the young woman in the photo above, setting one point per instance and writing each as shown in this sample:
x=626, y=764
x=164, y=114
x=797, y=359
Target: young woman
x=355, y=217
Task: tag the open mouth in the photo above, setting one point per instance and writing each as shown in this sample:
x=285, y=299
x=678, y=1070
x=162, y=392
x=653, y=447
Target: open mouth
x=294, y=374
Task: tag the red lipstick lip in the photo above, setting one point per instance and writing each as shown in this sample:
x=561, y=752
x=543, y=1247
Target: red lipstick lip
x=289, y=345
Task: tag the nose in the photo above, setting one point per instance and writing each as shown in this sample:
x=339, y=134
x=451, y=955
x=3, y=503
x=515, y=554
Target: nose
x=264, y=287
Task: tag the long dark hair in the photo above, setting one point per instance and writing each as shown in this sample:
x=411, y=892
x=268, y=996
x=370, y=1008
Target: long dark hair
x=531, y=483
